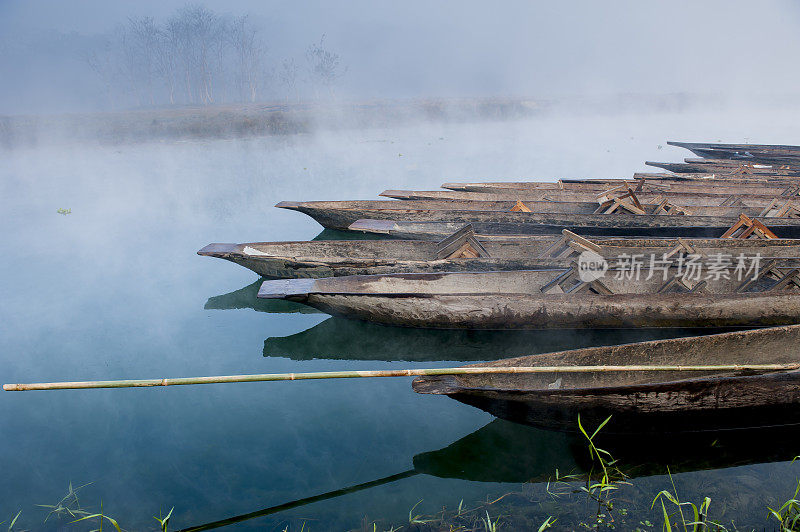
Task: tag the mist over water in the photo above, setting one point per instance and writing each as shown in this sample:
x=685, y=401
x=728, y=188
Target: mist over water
x=114, y=289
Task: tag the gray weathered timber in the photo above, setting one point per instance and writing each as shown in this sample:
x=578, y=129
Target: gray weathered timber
x=685, y=199
x=732, y=168
x=720, y=188
x=334, y=258
x=515, y=300
x=341, y=214
x=681, y=401
x=766, y=153
x=493, y=225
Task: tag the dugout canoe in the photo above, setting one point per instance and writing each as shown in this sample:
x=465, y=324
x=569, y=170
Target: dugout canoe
x=340, y=215
x=766, y=153
x=776, y=189
x=333, y=258
x=651, y=198
x=727, y=167
x=637, y=401
x=540, y=299
x=511, y=225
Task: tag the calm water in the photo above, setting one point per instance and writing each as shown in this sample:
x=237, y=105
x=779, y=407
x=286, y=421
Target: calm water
x=115, y=290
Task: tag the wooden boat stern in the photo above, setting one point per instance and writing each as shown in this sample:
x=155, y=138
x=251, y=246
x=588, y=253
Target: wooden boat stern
x=291, y=205
x=293, y=289
x=219, y=250
x=398, y=194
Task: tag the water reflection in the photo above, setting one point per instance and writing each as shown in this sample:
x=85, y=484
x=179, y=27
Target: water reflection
x=344, y=339
x=506, y=452
x=245, y=298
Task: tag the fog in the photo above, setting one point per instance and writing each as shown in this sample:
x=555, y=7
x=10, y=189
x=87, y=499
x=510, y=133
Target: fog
x=417, y=94
x=423, y=50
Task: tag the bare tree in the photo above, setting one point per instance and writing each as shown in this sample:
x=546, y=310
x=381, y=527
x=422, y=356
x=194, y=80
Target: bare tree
x=104, y=63
x=249, y=52
x=197, y=34
x=324, y=66
x=140, y=43
x=195, y=56
x=288, y=75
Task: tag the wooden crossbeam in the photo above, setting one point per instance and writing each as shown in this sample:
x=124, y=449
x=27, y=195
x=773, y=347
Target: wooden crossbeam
x=615, y=199
x=683, y=247
x=461, y=245
x=677, y=284
x=732, y=201
x=746, y=227
x=569, y=282
x=789, y=278
x=789, y=210
x=520, y=207
x=568, y=244
x=665, y=207
x=791, y=191
x=768, y=271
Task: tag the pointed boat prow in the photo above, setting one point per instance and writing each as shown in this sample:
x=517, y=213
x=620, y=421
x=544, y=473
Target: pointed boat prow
x=285, y=288
x=455, y=186
x=397, y=194
x=373, y=226
x=291, y=205
x=218, y=250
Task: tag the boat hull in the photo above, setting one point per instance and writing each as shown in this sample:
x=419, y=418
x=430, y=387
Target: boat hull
x=660, y=401
x=699, y=406
x=492, y=227
x=526, y=311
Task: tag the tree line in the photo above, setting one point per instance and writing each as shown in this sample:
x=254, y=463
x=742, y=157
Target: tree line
x=199, y=57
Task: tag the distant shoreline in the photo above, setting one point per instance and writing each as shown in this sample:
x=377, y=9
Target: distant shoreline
x=254, y=120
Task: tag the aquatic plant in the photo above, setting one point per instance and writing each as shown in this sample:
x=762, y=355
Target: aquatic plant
x=788, y=514
x=164, y=521
x=68, y=505
x=489, y=525
x=13, y=521
x=416, y=519
x=64, y=211
x=100, y=516
x=699, y=522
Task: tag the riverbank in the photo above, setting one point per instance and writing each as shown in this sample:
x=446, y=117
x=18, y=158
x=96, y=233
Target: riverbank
x=253, y=120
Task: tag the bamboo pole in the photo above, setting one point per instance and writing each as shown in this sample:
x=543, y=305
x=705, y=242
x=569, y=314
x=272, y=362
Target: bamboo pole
x=481, y=370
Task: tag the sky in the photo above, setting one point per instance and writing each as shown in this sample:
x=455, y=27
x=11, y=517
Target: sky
x=459, y=48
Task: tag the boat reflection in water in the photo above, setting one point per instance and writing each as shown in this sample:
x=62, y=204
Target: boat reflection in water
x=506, y=452
x=245, y=298
x=344, y=339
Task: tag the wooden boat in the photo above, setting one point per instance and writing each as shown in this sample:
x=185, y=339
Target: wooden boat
x=333, y=258
x=686, y=199
x=777, y=189
x=340, y=215
x=539, y=299
x=675, y=400
x=767, y=153
x=490, y=225
x=729, y=167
